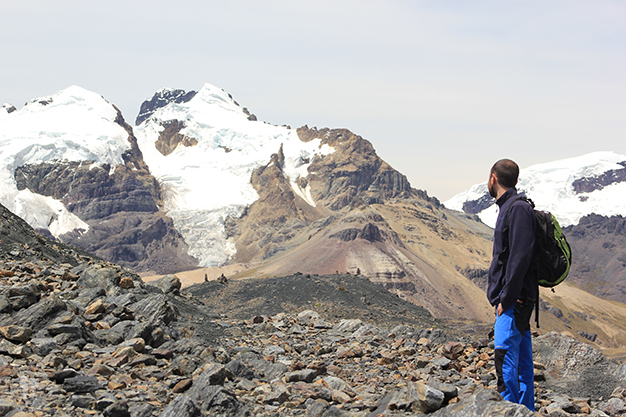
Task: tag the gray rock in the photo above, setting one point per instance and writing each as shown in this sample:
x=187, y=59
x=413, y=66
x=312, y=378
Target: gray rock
x=348, y=326
x=278, y=395
x=241, y=370
x=614, y=406
x=308, y=317
x=304, y=375
x=574, y=368
x=156, y=309
x=42, y=346
x=273, y=350
x=8, y=348
x=23, y=296
x=37, y=316
x=181, y=406
x=214, y=375
x=82, y=401
x=167, y=284
x=366, y=330
x=5, y=305
x=266, y=369
x=246, y=384
x=117, y=409
x=82, y=384
x=103, y=403
x=484, y=403
x=441, y=362
x=430, y=399
x=98, y=276
x=108, y=337
x=213, y=398
x=564, y=404
x=88, y=296
x=60, y=376
x=449, y=390
x=317, y=408
x=143, y=359
x=141, y=410
x=7, y=406
x=337, y=384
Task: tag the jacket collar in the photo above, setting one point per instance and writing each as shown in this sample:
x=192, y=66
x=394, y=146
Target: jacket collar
x=510, y=193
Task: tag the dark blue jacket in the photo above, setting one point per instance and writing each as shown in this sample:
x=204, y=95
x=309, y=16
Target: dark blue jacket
x=510, y=275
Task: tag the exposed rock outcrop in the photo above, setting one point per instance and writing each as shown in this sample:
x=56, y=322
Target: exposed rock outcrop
x=171, y=137
x=599, y=257
x=353, y=175
x=594, y=183
x=161, y=99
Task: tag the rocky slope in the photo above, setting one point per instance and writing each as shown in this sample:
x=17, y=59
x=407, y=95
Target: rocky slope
x=79, y=337
x=600, y=263
x=367, y=218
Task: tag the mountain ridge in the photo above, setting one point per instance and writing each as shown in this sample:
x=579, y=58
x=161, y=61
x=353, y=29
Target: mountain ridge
x=203, y=183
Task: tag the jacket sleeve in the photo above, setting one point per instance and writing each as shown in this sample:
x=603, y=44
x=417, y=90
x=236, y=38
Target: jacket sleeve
x=521, y=249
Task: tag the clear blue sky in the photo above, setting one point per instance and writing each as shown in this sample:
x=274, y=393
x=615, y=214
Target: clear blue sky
x=441, y=88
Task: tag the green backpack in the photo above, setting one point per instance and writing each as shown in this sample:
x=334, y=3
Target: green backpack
x=553, y=255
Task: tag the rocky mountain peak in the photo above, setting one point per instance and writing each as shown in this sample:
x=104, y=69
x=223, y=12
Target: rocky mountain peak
x=161, y=99
x=8, y=108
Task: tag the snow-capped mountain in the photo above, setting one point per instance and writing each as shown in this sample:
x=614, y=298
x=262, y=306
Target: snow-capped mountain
x=72, y=125
x=70, y=166
x=203, y=149
x=570, y=188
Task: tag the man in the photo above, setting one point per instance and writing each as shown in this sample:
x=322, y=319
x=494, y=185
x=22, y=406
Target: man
x=512, y=287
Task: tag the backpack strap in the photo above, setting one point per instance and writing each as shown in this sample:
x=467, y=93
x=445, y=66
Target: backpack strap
x=505, y=230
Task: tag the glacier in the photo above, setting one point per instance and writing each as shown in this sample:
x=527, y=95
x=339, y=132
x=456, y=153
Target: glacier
x=208, y=182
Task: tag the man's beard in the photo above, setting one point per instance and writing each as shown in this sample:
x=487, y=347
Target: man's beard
x=492, y=190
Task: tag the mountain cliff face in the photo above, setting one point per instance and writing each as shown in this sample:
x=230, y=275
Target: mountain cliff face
x=599, y=267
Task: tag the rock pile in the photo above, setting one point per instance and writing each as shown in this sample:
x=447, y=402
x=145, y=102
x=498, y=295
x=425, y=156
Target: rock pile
x=85, y=337
x=93, y=339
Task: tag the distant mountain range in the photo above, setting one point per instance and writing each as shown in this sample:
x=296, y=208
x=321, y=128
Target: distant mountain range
x=200, y=182
x=570, y=188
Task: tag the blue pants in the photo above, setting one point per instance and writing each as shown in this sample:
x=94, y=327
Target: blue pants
x=514, y=355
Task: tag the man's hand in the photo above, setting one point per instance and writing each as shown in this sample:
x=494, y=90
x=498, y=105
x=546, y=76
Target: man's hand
x=500, y=309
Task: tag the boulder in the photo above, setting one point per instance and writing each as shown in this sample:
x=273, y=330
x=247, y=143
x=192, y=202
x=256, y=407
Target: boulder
x=484, y=403
x=37, y=316
x=82, y=384
x=167, y=284
x=181, y=406
x=99, y=276
x=16, y=334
